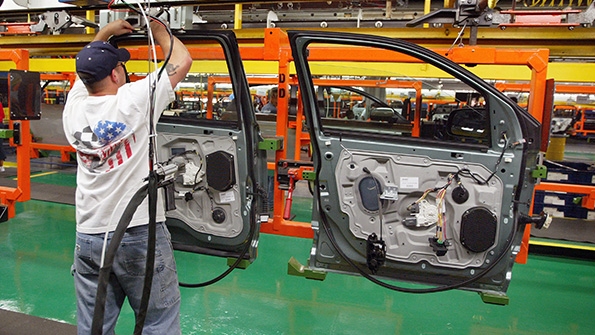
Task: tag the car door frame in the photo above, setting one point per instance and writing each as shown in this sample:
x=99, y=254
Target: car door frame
x=522, y=126
x=245, y=131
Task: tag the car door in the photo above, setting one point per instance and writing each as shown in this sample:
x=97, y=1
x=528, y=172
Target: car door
x=444, y=204
x=211, y=136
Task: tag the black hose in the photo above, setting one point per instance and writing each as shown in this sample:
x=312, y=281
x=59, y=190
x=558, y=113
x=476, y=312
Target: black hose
x=231, y=268
x=150, y=263
x=106, y=269
x=137, y=199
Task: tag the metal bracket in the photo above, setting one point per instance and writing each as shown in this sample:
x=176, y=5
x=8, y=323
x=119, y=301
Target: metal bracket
x=16, y=133
x=244, y=263
x=271, y=144
x=472, y=13
x=6, y=133
x=286, y=168
x=494, y=298
x=295, y=268
x=57, y=21
x=539, y=172
x=585, y=18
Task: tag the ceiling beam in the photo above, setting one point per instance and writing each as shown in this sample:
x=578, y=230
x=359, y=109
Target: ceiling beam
x=563, y=43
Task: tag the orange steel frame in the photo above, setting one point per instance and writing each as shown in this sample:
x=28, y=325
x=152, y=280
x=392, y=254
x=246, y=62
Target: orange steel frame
x=588, y=191
x=65, y=150
x=275, y=47
x=8, y=195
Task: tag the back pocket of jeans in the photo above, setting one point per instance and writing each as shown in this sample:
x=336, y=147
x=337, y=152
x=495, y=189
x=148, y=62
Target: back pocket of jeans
x=134, y=254
x=83, y=260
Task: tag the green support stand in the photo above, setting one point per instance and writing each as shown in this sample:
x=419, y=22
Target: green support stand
x=494, y=298
x=244, y=263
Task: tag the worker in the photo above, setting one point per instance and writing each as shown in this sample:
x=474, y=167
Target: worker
x=106, y=120
x=271, y=106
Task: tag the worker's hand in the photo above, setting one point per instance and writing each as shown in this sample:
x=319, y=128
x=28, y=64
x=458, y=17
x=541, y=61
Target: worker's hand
x=114, y=28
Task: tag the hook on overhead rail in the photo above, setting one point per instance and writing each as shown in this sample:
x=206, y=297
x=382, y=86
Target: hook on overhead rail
x=137, y=21
x=472, y=13
x=56, y=22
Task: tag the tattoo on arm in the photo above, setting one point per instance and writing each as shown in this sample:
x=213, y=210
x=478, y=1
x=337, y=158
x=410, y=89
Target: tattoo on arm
x=171, y=69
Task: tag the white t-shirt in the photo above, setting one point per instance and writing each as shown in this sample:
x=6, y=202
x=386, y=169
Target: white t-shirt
x=111, y=136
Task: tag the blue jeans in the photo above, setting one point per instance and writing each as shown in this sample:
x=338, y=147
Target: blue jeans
x=127, y=279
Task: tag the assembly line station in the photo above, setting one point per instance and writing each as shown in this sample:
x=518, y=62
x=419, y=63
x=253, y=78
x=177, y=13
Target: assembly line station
x=542, y=54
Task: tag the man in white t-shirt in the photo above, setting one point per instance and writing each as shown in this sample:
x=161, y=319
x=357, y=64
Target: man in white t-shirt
x=106, y=119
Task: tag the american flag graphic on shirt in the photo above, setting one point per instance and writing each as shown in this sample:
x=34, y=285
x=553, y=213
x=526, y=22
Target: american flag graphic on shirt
x=108, y=131
x=107, y=143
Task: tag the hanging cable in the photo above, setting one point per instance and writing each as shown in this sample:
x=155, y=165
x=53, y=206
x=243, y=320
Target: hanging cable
x=152, y=186
x=466, y=172
x=151, y=190
x=106, y=269
x=457, y=38
x=237, y=262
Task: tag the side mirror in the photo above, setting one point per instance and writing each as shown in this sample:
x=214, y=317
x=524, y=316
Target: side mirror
x=472, y=123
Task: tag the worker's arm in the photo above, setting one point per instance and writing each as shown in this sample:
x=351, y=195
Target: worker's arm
x=114, y=28
x=180, y=60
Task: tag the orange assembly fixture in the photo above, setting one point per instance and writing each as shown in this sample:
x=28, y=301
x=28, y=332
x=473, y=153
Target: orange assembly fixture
x=275, y=47
x=9, y=196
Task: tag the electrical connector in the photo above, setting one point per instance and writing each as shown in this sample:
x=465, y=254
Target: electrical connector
x=439, y=248
x=413, y=208
x=543, y=220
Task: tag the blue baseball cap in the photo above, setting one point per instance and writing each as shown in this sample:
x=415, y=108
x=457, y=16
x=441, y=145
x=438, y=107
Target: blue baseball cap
x=97, y=60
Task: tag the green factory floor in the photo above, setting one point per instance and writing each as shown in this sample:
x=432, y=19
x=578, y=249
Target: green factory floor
x=548, y=295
